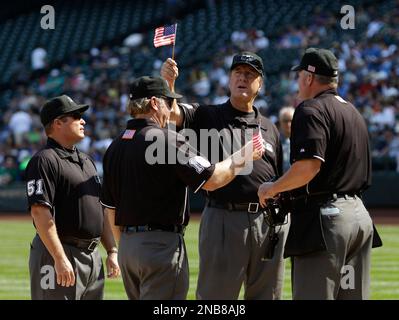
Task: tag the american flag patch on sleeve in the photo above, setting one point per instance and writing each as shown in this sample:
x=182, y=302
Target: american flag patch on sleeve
x=128, y=134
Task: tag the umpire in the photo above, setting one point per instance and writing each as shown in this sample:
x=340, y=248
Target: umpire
x=233, y=235
x=63, y=191
x=147, y=199
x=331, y=232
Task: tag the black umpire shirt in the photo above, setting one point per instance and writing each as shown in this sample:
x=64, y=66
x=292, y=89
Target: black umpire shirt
x=223, y=117
x=66, y=181
x=331, y=129
x=147, y=190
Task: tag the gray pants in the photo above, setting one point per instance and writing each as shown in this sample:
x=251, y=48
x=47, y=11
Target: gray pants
x=88, y=268
x=232, y=245
x=154, y=265
x=343, y=271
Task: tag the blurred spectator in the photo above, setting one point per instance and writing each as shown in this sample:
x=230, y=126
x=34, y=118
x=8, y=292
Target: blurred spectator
x=220, y=96
x=38, y=61
x=134, y=40
x=8, y=170
x=284, y=120
x=20, y=124
x=368, y=62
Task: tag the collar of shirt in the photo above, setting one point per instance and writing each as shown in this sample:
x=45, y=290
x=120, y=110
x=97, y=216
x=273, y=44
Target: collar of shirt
x=63, y=152
x=241, y=118
x=140, y=123
x=328, y=91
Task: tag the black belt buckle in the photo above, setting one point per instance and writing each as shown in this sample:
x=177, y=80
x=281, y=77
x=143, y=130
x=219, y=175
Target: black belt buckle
x=253, y=207
x=92, y=246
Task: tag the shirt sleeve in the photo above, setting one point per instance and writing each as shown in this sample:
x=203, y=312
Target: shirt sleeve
x=189, y=114
x=41, y=177
x=106, y=198
x=309, y=134
x=192, y=169
x=279, y=153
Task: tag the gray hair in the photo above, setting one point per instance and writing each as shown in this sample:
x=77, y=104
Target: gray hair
x=325, y=80
x=333, y=81
x=138, y=106
x=286, y=110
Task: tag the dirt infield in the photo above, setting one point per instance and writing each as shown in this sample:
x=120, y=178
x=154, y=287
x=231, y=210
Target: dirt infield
x=15, y=216
x=385, y=216
x=380, y=216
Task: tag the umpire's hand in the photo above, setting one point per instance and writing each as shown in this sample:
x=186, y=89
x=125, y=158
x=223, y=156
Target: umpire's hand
x=170, y=72
x=65, y=274
x=265, y=192
x=113, y=270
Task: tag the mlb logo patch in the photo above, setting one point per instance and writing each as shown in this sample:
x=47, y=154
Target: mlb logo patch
x=128, y=134
x=199, y=163
x=311, y=68
x=269, y=147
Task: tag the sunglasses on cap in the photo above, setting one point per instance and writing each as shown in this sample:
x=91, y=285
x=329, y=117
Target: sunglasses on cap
x=247, y=59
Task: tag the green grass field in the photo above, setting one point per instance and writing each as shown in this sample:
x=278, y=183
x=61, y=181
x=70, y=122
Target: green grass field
x=15, y=237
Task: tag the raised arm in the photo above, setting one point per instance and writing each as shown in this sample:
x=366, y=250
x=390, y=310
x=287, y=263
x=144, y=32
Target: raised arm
x=170, y=72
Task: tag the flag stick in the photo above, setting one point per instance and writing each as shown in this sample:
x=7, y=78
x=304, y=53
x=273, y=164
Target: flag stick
x=174, y=42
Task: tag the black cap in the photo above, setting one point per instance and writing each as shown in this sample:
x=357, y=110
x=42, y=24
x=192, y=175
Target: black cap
x=318, y=61
x=248, y=58
x=58, y=106
x=147, y=87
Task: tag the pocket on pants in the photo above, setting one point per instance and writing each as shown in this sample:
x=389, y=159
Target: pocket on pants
x=330, y=212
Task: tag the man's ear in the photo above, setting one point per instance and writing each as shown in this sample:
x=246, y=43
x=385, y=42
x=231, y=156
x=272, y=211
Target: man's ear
x=260, y=87
x=56, y=122
x=154, y=103
x=310, y=79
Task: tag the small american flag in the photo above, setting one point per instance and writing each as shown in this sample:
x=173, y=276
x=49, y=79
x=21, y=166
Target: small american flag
x=165, y=35
x=128, y=135
x=311, y=68
x=257, y=141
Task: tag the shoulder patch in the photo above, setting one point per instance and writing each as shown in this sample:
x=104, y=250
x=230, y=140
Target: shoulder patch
x=269, y=147
x=199, y=163
x=340, y=99
x=128, y=134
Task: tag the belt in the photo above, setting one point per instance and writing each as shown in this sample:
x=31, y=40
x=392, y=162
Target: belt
x=153, y=227
x=322, y=197
x=251, y=207
x=87, y=244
